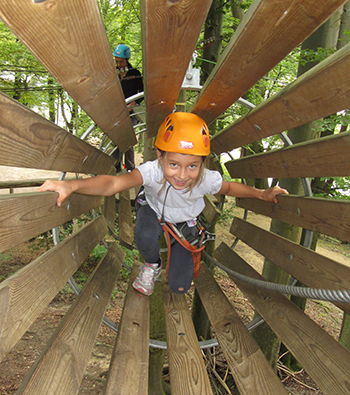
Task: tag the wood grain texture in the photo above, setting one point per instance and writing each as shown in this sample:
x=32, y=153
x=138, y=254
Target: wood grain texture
x=321, y=91
x=34, y=182
x=210, y=212
x=323, y=358
x=328, y=217
x=29, y=140
x=324, y=157
x=268, y=32
x=171, y=28
x=186, y=365
x=109, y=211
x=307, y=266
x=24, y=216
x=252, y=373
x=70, y=41
x=27, y=292
x=61, y=366
x=126, y=231
x=129, y=363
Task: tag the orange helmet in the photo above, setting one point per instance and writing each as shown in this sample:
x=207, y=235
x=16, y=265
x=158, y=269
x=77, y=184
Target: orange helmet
x=184, y=133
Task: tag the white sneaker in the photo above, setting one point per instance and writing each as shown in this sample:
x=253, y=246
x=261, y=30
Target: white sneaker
x=144, y=282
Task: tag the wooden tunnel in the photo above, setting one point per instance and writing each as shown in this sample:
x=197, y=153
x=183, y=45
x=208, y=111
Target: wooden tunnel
x=66, y=36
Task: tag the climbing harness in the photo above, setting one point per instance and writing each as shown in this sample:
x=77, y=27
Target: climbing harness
x=192, y=243
x=181, y=233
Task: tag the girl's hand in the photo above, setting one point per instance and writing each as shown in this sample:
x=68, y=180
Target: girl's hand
x=269, y=195
x=62, y=187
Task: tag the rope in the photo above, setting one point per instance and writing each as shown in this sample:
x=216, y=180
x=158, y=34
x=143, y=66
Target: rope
x=329, y=295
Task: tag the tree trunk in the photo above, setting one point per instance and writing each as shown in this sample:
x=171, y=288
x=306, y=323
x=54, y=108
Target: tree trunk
x=324, y=37
x=51, y=100
x=212, y=34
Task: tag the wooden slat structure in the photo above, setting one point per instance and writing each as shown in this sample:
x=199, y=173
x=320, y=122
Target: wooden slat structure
x=129, y=365
x=266, y=34
x=69, y=40
x=186, y=366
x=166, y=64
x=75, y=50
x=61, y=366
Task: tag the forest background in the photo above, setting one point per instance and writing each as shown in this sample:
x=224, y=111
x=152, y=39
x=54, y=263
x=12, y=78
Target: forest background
x=24, y=79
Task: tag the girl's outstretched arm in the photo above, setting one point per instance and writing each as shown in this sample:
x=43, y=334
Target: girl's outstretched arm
x=99, y=185
x=237, y=189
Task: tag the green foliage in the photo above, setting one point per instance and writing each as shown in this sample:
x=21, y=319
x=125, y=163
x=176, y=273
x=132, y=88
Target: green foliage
x=335, y=122
x=311, y=56
x=98, y=252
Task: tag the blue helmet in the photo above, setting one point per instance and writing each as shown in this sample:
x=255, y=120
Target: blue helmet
x=122, y=51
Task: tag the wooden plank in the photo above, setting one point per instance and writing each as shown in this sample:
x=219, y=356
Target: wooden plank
x=126, y=231
x=210, y=212
x=325, y=157
x=309, y=267
x=29, y=140
x=61, y=366
x=27, y=292
x=24, y=216
x=324, y=359
x=328, y=217
x=321, y=91
x=268, y=32
x=109, y=211
x=170, y=31
x=186, y=365
x=249, y=367
x=69, y=39
x=11, y=184
x=128, y=370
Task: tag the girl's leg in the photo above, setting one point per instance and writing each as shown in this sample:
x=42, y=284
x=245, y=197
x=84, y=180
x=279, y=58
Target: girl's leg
x=180, y=270
x=147, y=233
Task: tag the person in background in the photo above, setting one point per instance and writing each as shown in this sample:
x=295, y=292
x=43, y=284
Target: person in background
x=131, y=82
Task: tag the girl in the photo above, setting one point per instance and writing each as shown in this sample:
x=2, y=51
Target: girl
x=173, y=187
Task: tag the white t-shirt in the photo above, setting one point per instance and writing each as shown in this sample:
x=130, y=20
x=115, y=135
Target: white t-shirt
x=180, y=206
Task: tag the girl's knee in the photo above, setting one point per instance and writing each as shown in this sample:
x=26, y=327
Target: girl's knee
x=179, y=288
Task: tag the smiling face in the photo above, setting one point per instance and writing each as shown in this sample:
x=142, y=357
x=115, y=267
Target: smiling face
x=180, y=170
x=121, y=63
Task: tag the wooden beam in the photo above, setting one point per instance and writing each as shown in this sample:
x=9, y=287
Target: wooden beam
x=323, y=358
x=109, y=212
x=252, y=373
x=126, y=230
x=128, y=370
x=186, y=365
x=61, y=366
x=70, y=41
x=307, y=266
x=321, y=91
x=29, y=140
x=170, y=30
x=328, y=217
x=27, y=292
x=24, y=216
x=12, y=184
x=324, y=157
x=268, y=32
